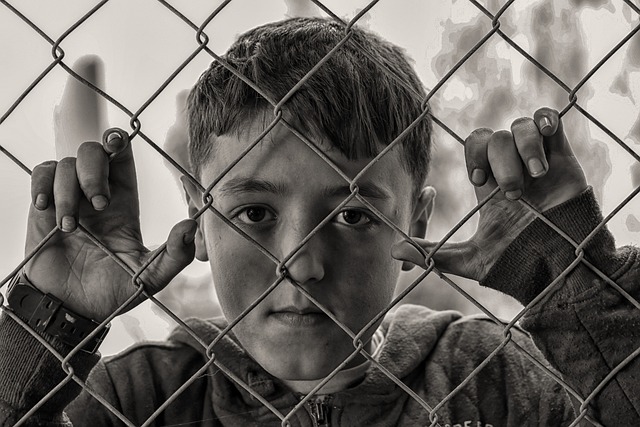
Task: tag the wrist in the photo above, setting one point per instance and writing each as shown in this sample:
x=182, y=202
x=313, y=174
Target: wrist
x=46, y=315
x=540, y=254
x=568, y=191
x=29, y=370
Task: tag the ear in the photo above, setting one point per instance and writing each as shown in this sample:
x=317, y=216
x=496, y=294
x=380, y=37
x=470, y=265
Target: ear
x=423, y=208
x=193, y=196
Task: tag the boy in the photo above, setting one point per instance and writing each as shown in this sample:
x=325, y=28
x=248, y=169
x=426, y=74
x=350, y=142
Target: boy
x=300, y=268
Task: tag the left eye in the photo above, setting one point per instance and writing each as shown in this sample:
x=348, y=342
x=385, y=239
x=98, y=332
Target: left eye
x=352, y=217
x=254, y=215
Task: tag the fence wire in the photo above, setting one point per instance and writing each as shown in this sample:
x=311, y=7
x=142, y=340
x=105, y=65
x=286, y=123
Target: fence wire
x=201, y=45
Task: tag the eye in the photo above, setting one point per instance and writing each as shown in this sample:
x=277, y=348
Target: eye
x=353, y=217
x=254, y=214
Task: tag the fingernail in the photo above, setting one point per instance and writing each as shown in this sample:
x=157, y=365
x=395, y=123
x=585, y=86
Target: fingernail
x=115, y=140
x=536, y=168
x=544, y=123
x=99, y=202
x=41, y=201
x=513, y=194
x=68, y=223
x=478, y=177
x=114, y=137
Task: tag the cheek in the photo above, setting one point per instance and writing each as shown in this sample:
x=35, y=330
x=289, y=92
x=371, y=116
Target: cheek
x=368, y=276
x=240, y=272
x=377, y=280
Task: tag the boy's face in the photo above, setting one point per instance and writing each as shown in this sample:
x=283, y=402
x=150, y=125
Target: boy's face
x=277, y=194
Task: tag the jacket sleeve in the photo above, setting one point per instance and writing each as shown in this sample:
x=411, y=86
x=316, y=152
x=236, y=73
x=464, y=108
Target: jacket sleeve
x=29, y=371
x=585, y=327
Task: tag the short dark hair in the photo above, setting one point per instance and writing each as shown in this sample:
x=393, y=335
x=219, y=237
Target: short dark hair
x=352, y=101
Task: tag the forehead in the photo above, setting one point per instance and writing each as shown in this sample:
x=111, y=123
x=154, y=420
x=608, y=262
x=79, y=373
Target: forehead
x=282, y=158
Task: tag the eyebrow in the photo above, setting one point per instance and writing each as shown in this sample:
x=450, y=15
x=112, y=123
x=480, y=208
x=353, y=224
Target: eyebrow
x=368, y=190
x=244, y=185
x=240, y=185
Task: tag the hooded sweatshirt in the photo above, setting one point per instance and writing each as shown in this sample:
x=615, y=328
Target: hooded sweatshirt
x=431, y=352
x=469, y=371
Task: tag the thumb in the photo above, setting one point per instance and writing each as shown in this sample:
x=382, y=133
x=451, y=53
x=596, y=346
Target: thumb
x=455, y=258
x=170, y=258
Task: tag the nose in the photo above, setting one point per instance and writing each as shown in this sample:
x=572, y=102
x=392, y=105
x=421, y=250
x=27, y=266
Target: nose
x=306, y=265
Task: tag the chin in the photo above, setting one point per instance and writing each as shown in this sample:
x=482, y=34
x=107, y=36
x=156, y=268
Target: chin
x=296, y=366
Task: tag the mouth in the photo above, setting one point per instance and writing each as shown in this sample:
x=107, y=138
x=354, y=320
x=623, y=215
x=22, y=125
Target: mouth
x=299, y=317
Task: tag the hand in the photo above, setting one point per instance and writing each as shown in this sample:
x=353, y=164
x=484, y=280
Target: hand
x=102, y=195
x=533, y=161
x=98, y=189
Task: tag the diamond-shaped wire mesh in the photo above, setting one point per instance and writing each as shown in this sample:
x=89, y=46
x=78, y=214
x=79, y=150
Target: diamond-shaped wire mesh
x=490, y=30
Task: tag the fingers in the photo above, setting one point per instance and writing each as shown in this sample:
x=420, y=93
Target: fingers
x=115, y=141
x=547, y=120
x=506, y=165
x=550, y=126
x=42, y=178
x=475, y=153
x=97, y=164
x=478, y=167
x=92, y=167
x=455, y=258
x=510, y=157
x=529, y=144
x=180, y=251
x=63, y=184
x=66, y=194
x=122, y=169
x=180, y=244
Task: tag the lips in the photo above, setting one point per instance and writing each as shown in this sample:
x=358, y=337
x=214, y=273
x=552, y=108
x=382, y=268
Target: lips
x=300, y=317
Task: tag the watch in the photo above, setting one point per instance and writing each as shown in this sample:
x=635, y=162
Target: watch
x=46, y=314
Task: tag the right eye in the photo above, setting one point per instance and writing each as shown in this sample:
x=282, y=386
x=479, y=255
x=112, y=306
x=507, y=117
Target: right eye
x=254, y=215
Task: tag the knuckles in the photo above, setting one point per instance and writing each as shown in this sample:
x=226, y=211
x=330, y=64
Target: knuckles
x=475, y=148
x=479, y=135
x=67, y=162
x=547, y=111
x=501, y=137
x=45, y=168
x=89, y=147
x=510, y=182
x=523, y=124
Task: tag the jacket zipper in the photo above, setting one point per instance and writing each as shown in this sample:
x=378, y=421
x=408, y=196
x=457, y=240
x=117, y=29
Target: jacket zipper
x=320, y=413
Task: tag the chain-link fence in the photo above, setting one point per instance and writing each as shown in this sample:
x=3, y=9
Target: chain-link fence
x=489, y=30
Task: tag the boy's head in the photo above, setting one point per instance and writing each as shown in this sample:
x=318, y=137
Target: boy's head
x=353, y=102
x=280, y=192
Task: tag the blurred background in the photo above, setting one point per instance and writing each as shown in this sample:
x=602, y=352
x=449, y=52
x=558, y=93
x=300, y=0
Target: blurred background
x=130, y=48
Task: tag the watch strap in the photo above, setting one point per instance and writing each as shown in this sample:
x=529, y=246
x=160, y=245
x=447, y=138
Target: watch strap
x=46, y=314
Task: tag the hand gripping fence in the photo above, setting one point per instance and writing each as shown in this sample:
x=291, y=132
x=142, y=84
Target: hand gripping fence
x=201, y=44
